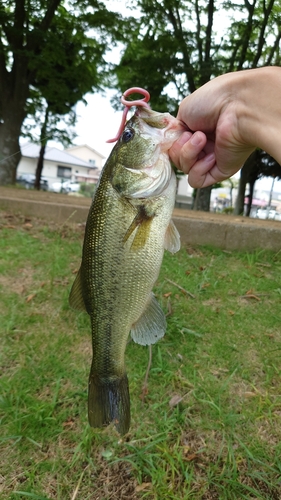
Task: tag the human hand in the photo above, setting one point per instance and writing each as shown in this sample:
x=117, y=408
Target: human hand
x=216, y=148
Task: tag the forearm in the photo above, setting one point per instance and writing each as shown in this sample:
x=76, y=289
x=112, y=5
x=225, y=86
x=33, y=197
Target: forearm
x=259, y=109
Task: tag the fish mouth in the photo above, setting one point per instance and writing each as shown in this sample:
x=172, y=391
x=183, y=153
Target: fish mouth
x=171, y=127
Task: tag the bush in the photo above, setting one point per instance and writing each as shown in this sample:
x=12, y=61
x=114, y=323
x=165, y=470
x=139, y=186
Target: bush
x=87, y=189
x=228, y=210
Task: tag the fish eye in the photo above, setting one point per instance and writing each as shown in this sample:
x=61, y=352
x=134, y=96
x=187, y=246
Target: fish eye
x=128, y=134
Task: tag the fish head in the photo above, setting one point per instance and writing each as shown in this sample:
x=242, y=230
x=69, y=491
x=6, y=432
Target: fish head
x=141, y=153
x=146, y=135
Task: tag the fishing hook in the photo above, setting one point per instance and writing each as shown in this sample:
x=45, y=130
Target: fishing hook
x=129, y=104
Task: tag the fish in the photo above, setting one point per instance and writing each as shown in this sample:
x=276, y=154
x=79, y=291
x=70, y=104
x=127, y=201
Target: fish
x=128, y=227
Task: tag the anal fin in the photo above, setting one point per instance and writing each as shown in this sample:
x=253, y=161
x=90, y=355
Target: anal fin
x=151, y=325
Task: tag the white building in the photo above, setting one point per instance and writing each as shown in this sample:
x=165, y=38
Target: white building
x=78, y=163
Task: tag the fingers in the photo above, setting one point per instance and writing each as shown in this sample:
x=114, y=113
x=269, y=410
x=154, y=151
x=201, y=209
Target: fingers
x=194, y=155
x=205, y=172
x=187, y=149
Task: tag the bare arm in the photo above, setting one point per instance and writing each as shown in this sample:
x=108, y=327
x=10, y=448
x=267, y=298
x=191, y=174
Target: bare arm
x=228, y=118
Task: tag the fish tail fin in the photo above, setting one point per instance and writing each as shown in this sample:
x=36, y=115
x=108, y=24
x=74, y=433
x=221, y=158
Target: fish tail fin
x=109, y=401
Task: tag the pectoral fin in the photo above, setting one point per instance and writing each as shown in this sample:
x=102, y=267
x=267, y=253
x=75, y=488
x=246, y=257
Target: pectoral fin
x=172, y=241
x=141, y=224
x=76, y=300
x=151, y=325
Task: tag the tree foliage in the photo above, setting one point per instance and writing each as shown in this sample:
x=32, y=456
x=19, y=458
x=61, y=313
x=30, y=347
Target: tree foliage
x=52, y=47
x=178, y=45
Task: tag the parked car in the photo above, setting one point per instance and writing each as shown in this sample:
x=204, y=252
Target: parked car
x=65, y=187
x=27, y=180
x=264, y=213
x=73, y=187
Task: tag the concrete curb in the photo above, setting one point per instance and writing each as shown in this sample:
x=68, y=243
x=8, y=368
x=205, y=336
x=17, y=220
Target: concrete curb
x=196, y=228
x=56, y=212
x=228, y=232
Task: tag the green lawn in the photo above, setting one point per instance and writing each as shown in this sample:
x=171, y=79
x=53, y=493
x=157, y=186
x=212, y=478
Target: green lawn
x=208, y=424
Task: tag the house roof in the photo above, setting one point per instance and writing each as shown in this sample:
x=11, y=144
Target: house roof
x=30, y=150
x=72, y=148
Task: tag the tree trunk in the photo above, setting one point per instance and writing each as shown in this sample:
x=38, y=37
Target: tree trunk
x=12, y=111
x=270, y=196
x=250, y=199
x=10, y=156
x=39, y=168
x=203, y=198
x=240, y=201
x=43, y=142
x=248, y=174
x=16, y=76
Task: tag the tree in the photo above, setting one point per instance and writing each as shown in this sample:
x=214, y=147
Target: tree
x=176, y=47
x=40, y=40
x=43, y=123
x=59, y=84
x=259, y=164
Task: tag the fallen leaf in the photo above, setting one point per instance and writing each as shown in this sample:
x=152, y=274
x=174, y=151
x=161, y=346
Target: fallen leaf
x=68, y=423
x=144, y=393
x=249, y=394
x=205, y=285
x=142, y=487
x=191, y=457
x=250, y=296
x=175, y=400
x=186, y=449
x=219, y=372
x=30, y=297
x=167, y=294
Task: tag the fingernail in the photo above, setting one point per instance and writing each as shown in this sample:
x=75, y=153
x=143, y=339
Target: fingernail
x=210, y=157
x=185, y=137
x=195, y=140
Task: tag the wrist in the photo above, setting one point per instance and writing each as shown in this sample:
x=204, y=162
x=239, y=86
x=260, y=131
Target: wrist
x=258, y=109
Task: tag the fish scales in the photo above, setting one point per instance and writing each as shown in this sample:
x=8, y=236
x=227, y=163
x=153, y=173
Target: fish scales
x=125, y=237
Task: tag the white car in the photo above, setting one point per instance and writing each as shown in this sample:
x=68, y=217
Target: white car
x=264, y=213
x=66, y=187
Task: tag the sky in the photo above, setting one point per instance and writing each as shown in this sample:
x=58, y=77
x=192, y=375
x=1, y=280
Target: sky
x=97, y=122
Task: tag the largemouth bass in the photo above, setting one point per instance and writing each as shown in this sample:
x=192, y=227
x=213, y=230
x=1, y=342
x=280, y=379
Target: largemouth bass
x=128, y=227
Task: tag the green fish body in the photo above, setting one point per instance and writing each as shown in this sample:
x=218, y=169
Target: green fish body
x=128, y=227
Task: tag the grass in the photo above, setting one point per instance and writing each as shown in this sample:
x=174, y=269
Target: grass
x=209, y=424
